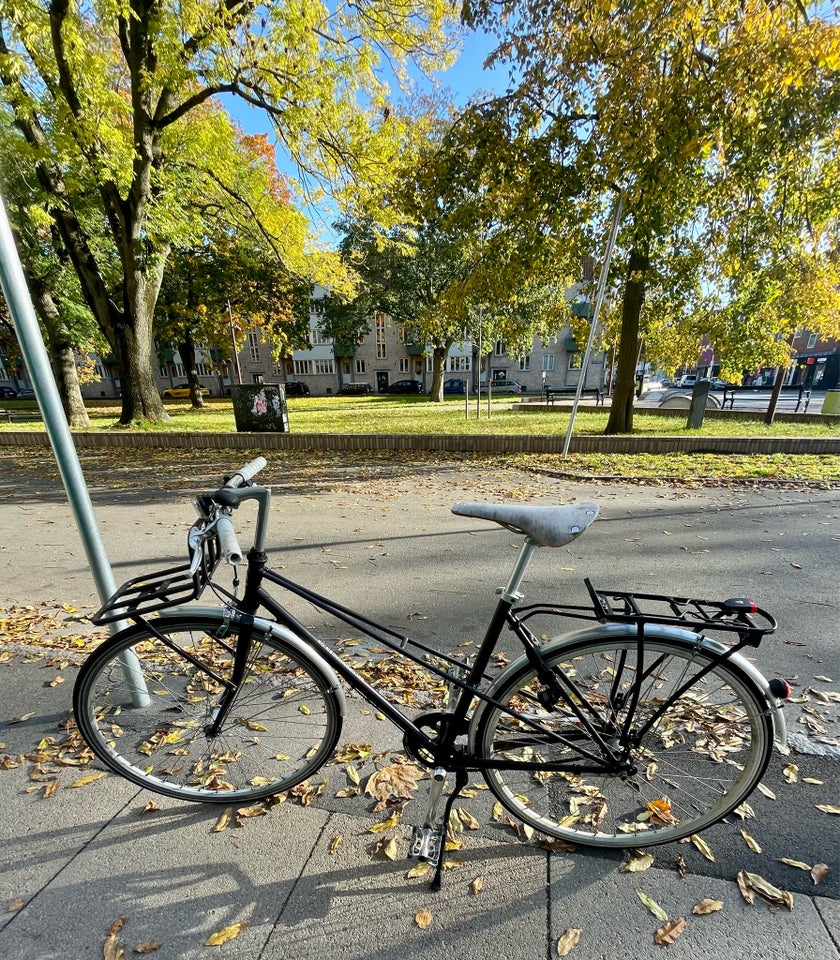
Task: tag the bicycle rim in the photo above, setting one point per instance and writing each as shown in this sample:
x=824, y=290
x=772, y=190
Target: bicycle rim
x=700, y=760
x=281, y=727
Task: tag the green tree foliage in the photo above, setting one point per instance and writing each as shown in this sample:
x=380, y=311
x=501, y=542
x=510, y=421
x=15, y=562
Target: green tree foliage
x=102, y=94
x=718, y=120
x=455, y=253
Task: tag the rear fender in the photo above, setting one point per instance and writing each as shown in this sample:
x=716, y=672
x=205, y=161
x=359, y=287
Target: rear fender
x=683, y=638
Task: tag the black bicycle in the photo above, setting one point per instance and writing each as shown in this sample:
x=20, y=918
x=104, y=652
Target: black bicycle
x=644, y=726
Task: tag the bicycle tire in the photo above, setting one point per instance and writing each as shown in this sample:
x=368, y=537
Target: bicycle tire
x=700, y=761
x=282, y=726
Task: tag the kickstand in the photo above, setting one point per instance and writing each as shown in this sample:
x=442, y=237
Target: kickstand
x=461, y=780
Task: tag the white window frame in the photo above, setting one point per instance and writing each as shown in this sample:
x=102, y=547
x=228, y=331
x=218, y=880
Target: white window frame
x=303, y=368
x=324, y=367
x=548, y=362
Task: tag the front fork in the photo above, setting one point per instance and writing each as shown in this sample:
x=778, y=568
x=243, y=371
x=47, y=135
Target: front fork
x=242, y=652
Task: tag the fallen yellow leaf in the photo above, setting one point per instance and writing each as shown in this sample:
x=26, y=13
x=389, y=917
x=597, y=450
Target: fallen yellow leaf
x=229, y=932
x=423, y=918
x=86, y=780
x=223, y=821
x=477, y=885
x=568, y=941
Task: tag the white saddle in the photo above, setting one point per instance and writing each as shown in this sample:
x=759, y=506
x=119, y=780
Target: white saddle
x=546, y=526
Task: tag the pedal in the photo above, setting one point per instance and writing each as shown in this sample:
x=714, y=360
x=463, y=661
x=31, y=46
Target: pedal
x=426, y=844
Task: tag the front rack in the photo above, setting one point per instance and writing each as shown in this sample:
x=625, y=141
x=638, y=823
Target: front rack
x=158, y=591
x=739, y=616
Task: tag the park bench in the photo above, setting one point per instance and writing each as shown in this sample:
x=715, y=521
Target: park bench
x=560, y=393
x=20, y=416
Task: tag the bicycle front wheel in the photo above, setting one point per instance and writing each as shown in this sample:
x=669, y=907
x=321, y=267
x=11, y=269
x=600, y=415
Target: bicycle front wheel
x=281, y=726
x=701, y=757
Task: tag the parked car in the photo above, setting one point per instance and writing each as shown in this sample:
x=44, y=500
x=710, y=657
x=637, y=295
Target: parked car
x=181, y=391
x=7, y=393
x=26, y=393
x=687, y=381
x=454, y=386
x=355, y=389
x=504, y=386
x=404, y=386
x=294, y=388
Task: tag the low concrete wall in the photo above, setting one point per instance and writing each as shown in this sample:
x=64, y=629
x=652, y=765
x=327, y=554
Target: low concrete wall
x=452, y=443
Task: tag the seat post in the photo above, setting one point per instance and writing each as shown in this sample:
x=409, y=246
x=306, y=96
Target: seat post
x=511, y=591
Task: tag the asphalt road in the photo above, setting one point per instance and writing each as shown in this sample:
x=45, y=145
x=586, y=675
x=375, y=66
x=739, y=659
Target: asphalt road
x=380, y=537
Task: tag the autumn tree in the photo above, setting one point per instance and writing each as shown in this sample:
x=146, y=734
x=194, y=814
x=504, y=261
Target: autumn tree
x=453, y=255
x=102, y=94
x=703, y=113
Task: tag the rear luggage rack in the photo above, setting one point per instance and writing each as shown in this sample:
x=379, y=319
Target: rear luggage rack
x=737, y=615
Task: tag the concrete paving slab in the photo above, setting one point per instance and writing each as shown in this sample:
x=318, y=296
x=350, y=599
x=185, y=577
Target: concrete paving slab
x=615, y=922
x=349, y=904
x=173, y=880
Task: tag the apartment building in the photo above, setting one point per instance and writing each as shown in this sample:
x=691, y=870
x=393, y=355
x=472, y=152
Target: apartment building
x=385, y=355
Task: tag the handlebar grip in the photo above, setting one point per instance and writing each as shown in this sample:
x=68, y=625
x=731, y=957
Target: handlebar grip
x=246, y=473
x=231, y=550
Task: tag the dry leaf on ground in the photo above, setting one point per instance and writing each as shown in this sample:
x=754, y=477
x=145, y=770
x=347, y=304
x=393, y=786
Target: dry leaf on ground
x=669, y=932
x=229, y=932
x=703, y=847
x=706, y=906
x=148, y=947
x=639, y=860
x=396, y=780
x=477, y=885
x=652, y=905
x=752, y=883
x=423, y=918
x=568, y=941
x=111, y=949
x=819, y=872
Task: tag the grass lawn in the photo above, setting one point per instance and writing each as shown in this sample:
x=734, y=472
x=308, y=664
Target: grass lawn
x=378, y=415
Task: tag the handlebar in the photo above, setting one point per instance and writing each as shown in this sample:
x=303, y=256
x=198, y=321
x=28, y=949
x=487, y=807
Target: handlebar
x=246, y=473
x=231, y=550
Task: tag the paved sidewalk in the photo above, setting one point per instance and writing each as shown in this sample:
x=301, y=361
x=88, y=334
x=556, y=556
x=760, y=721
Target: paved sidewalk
x=74, y=863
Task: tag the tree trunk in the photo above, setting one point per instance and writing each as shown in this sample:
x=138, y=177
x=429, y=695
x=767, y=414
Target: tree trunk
x=187, y=351
x=438, y=362
x=770, y=416
x=621, y=411
x=135, y=347
x=60, y=349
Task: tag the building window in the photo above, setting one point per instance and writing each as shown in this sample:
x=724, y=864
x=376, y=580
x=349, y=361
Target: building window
x=179, y=370
x=360, y=366
x=379, y=323
x=459, y=364
x=575, y=360
x=303, y=368
x=524, y=364
x=325, y=366
x=430, y=364
x=401, y=334
x=499, y=348
x=812, y=339
x=405, y=365
x=316, y=335
x=548, y=362
x=316, y=306
x=254, y=345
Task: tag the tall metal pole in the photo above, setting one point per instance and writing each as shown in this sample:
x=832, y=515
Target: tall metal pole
x=599, y=299
x=46, y=392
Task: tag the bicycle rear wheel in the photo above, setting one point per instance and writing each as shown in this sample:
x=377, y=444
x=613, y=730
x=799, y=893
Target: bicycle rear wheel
x=699, y=760
x=281, y=727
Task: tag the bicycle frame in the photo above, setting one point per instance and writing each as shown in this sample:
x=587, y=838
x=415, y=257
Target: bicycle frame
x=444, y=751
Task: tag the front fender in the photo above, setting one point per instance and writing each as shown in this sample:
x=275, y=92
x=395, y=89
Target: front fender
x=276, y=630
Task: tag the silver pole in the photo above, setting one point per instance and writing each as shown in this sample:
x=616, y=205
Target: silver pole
x=46, y=392
x=599, y=299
